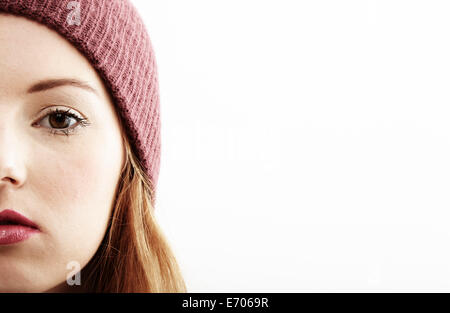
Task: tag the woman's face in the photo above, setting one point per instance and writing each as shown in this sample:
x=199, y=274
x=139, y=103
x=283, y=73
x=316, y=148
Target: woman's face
x=64, y=182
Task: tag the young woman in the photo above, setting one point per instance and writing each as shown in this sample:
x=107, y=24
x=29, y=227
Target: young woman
x=79, y=151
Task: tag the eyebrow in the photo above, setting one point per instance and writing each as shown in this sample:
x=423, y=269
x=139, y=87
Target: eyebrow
x=47, y=84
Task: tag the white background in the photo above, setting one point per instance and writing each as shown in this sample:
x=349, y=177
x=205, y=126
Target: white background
x=305, y=144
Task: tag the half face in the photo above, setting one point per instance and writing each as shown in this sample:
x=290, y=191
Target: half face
x=61, y=153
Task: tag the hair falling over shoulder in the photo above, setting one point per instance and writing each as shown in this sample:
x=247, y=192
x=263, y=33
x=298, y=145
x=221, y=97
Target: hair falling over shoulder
x=134, y=255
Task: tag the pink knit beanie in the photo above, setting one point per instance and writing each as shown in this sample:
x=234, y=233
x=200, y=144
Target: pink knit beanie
x=113, y=37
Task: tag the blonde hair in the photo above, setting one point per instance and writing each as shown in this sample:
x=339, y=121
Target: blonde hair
x=134, y=255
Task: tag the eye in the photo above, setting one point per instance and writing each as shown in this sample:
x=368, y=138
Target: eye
x=62, y=121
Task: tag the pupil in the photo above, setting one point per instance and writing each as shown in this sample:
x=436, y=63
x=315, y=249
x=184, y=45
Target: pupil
x=58, y=120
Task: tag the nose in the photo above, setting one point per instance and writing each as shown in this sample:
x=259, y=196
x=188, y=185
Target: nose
x=12, y=169
x=10, y=178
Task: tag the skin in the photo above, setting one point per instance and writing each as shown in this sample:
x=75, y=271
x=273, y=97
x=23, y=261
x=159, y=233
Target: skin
x=65, y=184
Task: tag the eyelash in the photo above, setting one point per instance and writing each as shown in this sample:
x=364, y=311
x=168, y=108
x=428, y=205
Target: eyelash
x=81, y=121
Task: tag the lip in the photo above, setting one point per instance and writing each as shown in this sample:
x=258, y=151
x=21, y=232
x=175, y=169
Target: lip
x=21, y=230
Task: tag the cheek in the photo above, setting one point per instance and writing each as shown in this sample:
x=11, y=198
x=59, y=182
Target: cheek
x=76, y=189
x=71, y=183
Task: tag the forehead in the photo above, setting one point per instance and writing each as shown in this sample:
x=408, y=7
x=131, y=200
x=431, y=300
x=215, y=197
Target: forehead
x=30, y=51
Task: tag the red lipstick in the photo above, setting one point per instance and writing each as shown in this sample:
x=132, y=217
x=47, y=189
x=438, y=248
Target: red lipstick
x=15, y=227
